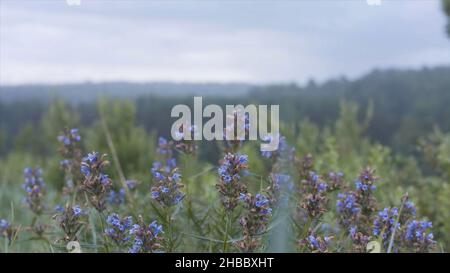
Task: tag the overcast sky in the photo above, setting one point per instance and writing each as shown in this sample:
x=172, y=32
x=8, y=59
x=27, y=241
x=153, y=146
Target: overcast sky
x=215, y=41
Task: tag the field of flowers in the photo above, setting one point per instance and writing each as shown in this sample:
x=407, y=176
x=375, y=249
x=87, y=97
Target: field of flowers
x=115, y=188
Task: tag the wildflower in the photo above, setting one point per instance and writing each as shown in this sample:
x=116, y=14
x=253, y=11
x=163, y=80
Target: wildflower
x=384, y=224
x=96, y=184
x=316, y=243
x=348, y=209
x=164, y=147
x=77, y=211
x=116, y=197
x=4, y=225
x=364, y=189
x=184, y=145
x=409, y=212
x=131, y=184
x=70, y=219
x=35, y=187
x=146, y=238
x=359, y=239
x=167, y=189
x=335, y=180
x=418, y=238
x=314, y=200
x=7, y=231
x=59, y=209
x=69, y=137
x=254, y=221
x=231, y=172
x=119, y=229
x=284, y=150
x=72, y=157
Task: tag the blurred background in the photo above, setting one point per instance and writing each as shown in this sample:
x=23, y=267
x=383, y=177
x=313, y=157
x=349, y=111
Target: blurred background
x=357, y=84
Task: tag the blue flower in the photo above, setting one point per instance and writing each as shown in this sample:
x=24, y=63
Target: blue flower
x=261, y=200
x=353, y=231
x=155, y=228
x=145, y=237
x=104, y=179
x=385, y=221
x=163, y=146
x=77, y=211
x=34, y=186
x=155, y=194
x=59, y=209
x=92, y=157
x=313, y=241
x=85, y=170
x=322, y=187
x=131, y=184
x=117, y=198
x=176, y=177
x=4, y=225
x=242, y=196
x=166, y=190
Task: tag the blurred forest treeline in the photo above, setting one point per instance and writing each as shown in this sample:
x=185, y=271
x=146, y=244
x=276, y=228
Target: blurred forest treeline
x=400, y=106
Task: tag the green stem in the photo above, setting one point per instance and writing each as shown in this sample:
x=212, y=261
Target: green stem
x=102, y=226
x=169, y=230
x=227, y=224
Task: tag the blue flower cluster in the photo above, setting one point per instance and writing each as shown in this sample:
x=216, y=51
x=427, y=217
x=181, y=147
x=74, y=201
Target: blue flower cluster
x=116, y=197
x=366, y=180
x=69, y=137
x=96, y=183
x=161, y=171
x=4, y=226
x=359, y=239
x=418, y=236
x=93, y=165
x=336, y=180
x=70, y=220
x=166, y=190
x=409, y=212
x=260, y=203
x=255, y=220
x=347, y=207
x=72, y=157
x=7, y=231
x=146, y=238
x=384, y=224
x=284, y=151
x=352, y=205
x=233, y=167
x=316, y=243
x=35, y=187
x=119, y=229
x=164, y=147
x=314, y=200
